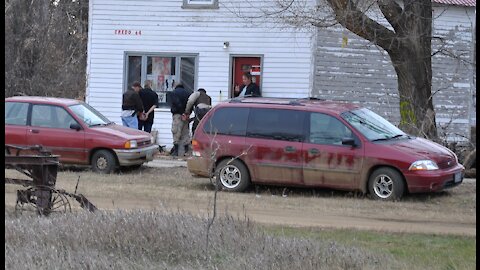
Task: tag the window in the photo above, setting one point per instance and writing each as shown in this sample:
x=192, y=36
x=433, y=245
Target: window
x=227, y=121
x=275, y=124
x=16, y=113
x=51, y=117
x=371, y=125
x=326, y=129
x=89, y=115
x=165, y=71
x=206, y=4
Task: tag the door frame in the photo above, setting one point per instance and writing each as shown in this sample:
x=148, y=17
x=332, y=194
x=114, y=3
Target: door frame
x=230, y=72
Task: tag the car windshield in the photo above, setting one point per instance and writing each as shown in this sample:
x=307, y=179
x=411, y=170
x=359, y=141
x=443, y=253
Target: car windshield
x=372, y=125
x=89, y=115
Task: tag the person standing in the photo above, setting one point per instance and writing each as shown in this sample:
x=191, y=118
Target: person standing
x=132, y=106
x=180, y=123
x=248, y=88
x=200, y=103
x=149, y=100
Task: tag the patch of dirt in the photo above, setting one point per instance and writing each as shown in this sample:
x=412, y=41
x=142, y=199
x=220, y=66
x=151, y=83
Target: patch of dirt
x=448, y=212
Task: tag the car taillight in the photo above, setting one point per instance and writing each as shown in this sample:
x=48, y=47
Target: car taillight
x=196, y=149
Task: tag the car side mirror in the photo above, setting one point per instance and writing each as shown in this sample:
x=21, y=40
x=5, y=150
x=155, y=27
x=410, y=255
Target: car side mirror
x=75, y=126
x=349, y=141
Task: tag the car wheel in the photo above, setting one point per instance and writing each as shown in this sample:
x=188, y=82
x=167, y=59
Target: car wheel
x=386, y=184
x=103, y=161
x=232, y=175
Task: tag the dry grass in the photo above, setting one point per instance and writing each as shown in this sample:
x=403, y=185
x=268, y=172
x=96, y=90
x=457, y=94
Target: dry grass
x=159, y=240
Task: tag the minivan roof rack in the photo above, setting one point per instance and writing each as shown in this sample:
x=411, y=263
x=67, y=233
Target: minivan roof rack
x=278, y=101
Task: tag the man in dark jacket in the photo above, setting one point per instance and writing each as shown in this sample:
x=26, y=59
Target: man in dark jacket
x=178, y=101
x=248, y=88
x=200, y=103
x=150, y=100
x=132, y=106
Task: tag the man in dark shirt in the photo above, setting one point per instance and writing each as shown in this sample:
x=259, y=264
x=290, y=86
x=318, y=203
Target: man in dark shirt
x=178, y=101
x=248, y=88
x=132, y=106
x=150, y=100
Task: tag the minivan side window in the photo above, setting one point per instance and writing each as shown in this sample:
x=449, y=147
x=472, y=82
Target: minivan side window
x=326, y=129
x=16, y=113
x=227, y=121
x=51, y=117
x=276, y=124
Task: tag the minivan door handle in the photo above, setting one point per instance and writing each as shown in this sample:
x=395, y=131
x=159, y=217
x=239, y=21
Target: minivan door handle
x=313, y=151
x=289, y=149
x=34, y=131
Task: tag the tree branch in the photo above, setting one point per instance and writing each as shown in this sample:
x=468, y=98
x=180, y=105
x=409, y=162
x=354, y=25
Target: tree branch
x=393, y=13
x=350, y=17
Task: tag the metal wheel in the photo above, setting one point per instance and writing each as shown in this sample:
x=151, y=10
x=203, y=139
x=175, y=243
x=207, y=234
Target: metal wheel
x=383, y=186
x=386, y=184
x=42, y=201
x=230, y=176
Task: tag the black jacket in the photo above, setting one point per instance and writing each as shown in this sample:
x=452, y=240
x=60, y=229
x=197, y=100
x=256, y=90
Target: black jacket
x=131, y=101
x=149, y=98
x=179, y=99
x=252, y=90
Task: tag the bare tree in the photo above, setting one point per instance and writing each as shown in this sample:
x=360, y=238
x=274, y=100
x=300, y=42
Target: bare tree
x=45, y=47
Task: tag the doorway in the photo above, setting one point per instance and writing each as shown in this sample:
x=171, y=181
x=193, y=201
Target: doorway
x=241, y=64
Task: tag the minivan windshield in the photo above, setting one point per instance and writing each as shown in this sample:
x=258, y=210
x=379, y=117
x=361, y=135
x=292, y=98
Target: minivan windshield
x=371, y=125
x=89, y=115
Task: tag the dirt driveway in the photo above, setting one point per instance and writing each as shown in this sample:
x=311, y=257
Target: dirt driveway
x=173, y=189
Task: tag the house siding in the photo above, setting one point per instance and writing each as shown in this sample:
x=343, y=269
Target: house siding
x=167, y=28
x=361, y=72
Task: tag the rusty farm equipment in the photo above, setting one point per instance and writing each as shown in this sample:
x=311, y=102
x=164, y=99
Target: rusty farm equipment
x=40, y=194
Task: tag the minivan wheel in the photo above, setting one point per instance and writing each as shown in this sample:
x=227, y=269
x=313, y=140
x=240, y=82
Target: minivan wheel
x=232, y=175
x=103, y=161
x=386, y=184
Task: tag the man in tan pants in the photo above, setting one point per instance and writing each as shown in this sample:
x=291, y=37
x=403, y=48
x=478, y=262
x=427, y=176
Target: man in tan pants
x=180, y=124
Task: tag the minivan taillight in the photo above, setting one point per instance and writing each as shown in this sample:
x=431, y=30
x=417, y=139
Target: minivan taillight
x=196, y=148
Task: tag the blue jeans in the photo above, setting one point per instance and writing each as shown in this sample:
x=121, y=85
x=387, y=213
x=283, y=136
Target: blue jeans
x=130, y=121
x=145, y=126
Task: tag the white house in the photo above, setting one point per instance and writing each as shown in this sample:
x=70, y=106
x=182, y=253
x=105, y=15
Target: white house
x=203, y=43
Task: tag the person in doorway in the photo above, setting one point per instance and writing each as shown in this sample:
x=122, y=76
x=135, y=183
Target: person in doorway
x=200, y=103
x=248, y=88
x=149, y=100
x=132, y=106
x=180, y=123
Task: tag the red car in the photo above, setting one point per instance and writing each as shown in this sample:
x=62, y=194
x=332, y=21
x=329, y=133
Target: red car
x=313, y=143
x=75, y=131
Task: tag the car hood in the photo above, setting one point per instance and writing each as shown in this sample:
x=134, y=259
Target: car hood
x=122, y=132
x=423, y=149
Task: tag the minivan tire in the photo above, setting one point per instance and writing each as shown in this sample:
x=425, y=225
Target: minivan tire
x=103, y=161
x=386, y=184
x=232, y=175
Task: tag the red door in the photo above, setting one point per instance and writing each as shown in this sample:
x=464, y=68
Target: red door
x=50, y=127
x=245, y=64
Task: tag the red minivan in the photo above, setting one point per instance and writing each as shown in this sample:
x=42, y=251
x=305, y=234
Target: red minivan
x=75, y=131
x=314, y=143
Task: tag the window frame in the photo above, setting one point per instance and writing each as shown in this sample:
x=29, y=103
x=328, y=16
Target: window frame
x=211, y=4
x=341, y=120
x=302, y=132
x=143, y=71
x=28, y=112
x=29, y=120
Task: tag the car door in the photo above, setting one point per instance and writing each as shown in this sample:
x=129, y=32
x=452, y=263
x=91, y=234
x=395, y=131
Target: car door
x=274, y=143
x=16, y=114
x=50, y=127
x=327, y=162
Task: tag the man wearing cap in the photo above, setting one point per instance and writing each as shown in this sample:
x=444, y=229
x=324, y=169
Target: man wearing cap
x=132, y=106
x=180, y=126
x=201, y=103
